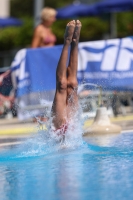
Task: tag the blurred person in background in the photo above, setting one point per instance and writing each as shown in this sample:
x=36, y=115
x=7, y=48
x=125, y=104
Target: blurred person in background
x=43, y=35
x=115, y=103
x=6, y=101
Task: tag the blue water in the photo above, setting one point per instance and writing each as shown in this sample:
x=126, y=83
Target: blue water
x=97, y=169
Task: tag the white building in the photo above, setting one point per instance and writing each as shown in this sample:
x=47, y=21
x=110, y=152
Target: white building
x=4, y=8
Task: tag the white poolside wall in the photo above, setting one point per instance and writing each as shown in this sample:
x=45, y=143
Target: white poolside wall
x=4, y=8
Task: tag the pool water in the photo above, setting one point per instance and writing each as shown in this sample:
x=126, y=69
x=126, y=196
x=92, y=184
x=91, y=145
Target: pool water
x=99, y=168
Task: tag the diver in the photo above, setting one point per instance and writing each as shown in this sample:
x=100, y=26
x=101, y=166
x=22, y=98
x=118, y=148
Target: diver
x=65, y=103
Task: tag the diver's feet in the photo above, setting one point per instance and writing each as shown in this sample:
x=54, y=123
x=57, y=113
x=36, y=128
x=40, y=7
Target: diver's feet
x=76, y=34
x=69, y=32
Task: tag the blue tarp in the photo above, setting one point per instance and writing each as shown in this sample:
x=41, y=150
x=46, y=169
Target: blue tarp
x=10, y=21
x=105, y=6
x=115, y=5
x=76, y=10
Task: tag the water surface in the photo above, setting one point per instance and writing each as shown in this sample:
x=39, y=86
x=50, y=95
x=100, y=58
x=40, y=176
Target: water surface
x=99, y=169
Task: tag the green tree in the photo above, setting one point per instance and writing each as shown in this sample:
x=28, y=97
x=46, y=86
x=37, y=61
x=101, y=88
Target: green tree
x=93, y=28
x=21, y=8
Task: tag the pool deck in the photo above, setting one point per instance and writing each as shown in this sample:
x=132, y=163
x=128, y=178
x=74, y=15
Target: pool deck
x=13, y=131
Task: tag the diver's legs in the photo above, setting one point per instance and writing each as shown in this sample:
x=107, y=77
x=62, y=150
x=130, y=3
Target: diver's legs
x=72, y=83
x=59, y=104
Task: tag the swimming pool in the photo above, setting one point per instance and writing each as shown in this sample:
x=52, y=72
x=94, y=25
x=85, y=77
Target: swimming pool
x=100, y=168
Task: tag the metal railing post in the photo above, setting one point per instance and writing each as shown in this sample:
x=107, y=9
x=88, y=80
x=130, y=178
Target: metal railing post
x=38, y=5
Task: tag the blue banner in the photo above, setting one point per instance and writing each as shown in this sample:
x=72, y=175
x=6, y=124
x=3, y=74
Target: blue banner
x=108, y=63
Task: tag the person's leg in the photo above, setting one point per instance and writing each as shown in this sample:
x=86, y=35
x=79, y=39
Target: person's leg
x=72, y=83
x=59, y=104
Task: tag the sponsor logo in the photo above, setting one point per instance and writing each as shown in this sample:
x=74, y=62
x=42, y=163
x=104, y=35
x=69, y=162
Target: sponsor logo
x=113, y=55
x=18, y=65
